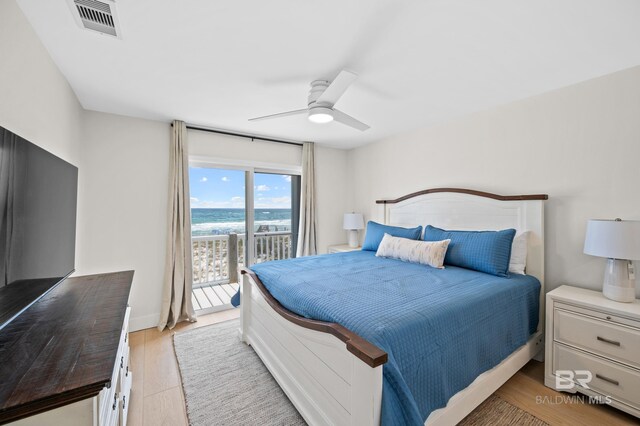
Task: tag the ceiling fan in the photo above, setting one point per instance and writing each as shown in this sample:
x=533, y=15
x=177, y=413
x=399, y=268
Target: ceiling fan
x=322, y=98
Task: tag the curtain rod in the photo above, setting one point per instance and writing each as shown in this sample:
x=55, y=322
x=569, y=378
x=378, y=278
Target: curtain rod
x=241, y=135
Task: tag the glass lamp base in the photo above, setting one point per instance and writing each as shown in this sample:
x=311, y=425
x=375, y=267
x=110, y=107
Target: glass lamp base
x=619, y=281
x=353, y=238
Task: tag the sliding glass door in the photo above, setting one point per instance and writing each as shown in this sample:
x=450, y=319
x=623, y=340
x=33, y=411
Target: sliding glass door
x=273, y=218
x=239, y=217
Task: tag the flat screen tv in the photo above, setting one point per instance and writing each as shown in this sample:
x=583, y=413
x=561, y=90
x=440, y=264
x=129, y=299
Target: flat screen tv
x=38, y=197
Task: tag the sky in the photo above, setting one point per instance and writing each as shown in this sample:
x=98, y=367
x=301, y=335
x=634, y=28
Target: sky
x=223, y=188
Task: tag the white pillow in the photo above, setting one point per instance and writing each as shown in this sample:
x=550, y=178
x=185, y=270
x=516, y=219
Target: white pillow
x=518, y=261
x=417, y=251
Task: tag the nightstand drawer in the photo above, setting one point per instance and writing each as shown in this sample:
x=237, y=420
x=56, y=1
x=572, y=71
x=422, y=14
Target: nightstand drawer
x=609, y=379
x=618, y=342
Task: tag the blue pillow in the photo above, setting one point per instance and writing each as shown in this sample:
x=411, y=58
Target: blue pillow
x=375, y=232
x=484, y=251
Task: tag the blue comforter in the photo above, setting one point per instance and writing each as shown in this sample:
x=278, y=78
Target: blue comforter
x=440, y=327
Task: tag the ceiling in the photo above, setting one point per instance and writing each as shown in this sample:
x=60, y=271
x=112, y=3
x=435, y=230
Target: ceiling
x=219, y=63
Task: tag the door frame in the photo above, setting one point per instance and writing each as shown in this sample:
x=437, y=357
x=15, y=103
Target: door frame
x=249, y=168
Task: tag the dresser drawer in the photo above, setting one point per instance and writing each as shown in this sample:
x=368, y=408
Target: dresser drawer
x=109, y=397
x=618, y=342
x=125, y=400
x=124, y=370
x=609, y=379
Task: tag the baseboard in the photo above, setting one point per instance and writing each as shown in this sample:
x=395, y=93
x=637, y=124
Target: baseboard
x=142, y=322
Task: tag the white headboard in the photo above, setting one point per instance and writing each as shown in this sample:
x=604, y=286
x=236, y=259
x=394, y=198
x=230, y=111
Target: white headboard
x=455, y=208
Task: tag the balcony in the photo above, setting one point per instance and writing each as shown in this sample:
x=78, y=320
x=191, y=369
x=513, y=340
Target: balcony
x=217, y=258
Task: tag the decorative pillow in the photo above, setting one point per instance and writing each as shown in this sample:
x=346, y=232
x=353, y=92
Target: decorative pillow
x=375, y=232
x=518, y=262
x=484, y=251
x=417, y=251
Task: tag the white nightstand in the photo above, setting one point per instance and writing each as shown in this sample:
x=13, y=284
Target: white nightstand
x=594, y=343
x=342, y=248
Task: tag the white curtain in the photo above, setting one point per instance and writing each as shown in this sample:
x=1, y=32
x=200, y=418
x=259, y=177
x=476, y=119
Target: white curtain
x=178, y=276
x=307, y=232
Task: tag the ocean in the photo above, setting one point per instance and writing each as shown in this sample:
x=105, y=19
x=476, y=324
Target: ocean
x=226, y=221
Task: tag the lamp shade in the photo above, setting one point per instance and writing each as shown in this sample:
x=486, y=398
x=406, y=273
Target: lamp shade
x=615, y=239
x=353, y=221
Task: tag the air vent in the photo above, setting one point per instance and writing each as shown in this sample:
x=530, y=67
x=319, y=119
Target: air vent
x=96, y=16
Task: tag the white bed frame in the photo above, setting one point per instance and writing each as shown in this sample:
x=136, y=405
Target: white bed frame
x=334, y=377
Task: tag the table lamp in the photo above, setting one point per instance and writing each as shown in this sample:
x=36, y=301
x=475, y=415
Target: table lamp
x=619, y=241
x=352, y=223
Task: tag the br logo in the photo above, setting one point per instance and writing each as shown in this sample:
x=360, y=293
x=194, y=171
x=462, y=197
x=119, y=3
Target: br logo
x=567, y=379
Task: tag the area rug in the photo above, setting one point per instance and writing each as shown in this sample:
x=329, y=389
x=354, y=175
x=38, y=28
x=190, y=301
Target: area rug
x=225, y=383
x=498, y=412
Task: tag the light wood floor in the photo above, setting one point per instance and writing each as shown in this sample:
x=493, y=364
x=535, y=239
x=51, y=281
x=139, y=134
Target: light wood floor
x=157, y=398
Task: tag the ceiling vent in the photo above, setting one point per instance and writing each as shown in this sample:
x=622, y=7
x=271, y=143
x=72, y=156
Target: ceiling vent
x=95, y=15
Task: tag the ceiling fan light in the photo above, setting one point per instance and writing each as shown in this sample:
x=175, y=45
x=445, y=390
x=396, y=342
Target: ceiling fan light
x=320, y=115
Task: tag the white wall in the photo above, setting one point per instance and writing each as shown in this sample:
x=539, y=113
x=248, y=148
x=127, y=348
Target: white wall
x=332, y=190
x=36, y=102
x=123, y=214
x=238, y=150
x=579, y=144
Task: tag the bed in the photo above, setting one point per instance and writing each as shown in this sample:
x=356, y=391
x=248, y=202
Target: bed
x=333, y=372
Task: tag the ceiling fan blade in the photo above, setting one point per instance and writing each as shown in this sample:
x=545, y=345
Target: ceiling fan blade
x=343, y=118
x=282, y=114
x=336, y=89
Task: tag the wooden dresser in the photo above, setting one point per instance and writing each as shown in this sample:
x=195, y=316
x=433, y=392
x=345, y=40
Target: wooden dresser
x=65, y=360
x=593, y=347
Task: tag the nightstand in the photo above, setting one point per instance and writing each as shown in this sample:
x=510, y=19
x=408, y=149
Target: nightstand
x=342, y=248
x=593, y=347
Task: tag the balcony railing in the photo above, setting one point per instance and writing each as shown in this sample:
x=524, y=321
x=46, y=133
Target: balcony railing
x=216, y=258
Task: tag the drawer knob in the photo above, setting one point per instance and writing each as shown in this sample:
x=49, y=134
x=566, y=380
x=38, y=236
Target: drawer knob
x=609, y=341
x=124, y=403
x=608, y=317
x=122, y=361
x=115, y=401
x=608, y=380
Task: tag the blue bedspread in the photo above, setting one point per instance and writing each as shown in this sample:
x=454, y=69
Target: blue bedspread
x=440, y=327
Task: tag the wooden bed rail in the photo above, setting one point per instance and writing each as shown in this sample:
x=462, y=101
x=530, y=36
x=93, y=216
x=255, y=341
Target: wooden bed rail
x=467, y=191
x=361, y=348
